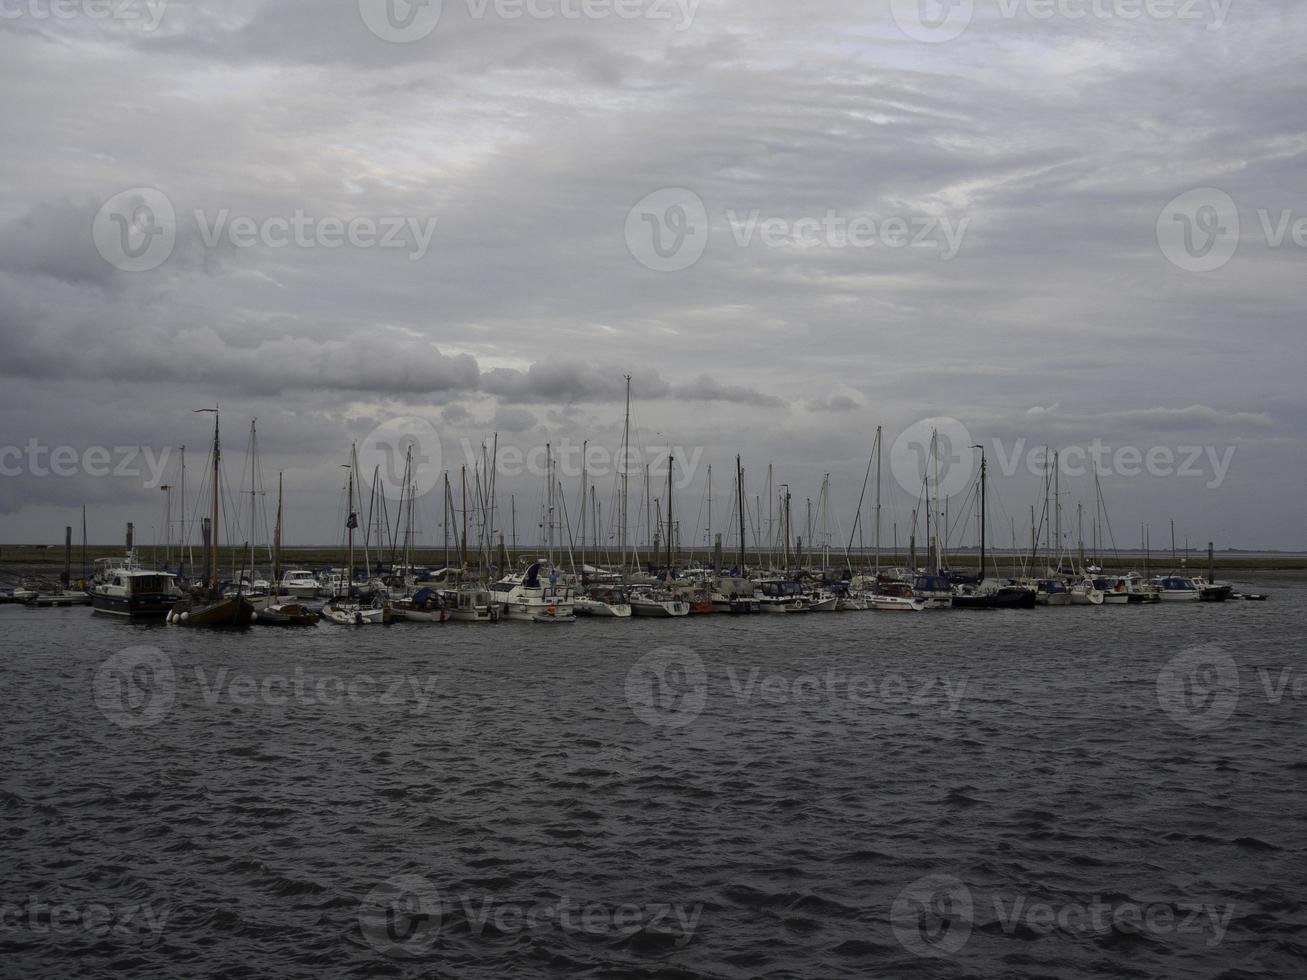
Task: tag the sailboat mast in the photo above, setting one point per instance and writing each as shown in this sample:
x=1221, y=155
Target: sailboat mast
x=1057, y=505
x=981, y=577
x=253, y=457
x=785, y=531
x=739, y=493
x=351, y=522
x=878, y=434
x=276, y=539
x=710, y=544
x=670, y=462
x=185, y=556
x=585, y=445
x=217, y=457
x=626, y=475
x=444, y=517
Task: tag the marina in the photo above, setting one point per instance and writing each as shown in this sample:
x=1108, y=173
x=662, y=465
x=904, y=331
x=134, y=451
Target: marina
x=594, y=570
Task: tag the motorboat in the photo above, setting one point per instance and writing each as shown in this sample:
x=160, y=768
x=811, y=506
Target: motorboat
x=1177, y=588
x=470, y=604
x=299, y=583
x=1211, y=592
x=936, y=591
x=423, y=606
x=781, y=596
x=529, y=598
x=735, y=596
x=121, y=587
x=286, y=614
x=822, y=600
x=352, y=612
x=603, y=602
x=1052, y=592
x=1086, y=593
x=656, y=602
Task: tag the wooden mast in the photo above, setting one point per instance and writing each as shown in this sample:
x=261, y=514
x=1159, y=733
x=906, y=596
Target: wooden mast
x=739, y=494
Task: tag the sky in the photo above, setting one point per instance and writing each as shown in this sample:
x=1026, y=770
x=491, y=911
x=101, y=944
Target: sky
x=1074, y=224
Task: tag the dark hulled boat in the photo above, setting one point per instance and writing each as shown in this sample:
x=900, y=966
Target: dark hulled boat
x=207, y=607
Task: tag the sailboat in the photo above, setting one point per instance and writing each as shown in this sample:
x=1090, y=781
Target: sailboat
x=283, y=610
x=660, y=600
x=207, y=606
x=344, y=609
x=606, y=600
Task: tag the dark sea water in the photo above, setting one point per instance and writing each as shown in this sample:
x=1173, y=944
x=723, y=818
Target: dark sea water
x=1080, y=792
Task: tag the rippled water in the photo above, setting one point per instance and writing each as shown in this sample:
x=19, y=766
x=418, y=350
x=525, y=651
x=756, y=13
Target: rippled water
x=1071, y=792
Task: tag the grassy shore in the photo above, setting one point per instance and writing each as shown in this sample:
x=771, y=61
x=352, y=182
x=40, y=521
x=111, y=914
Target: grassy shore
x=50, y=559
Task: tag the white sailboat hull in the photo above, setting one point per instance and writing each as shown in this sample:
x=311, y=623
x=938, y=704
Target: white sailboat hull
x=894, y=603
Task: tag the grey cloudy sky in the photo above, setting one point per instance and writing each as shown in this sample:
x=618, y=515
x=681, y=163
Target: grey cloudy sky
x=503, y=210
